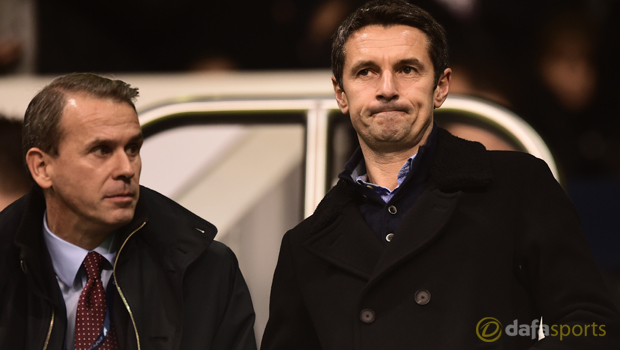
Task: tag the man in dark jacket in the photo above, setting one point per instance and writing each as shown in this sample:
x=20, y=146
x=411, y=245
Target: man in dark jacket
x=429, y=241
x=90, y=259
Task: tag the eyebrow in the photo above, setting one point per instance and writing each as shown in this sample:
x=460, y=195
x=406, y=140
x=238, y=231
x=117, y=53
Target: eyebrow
x=138, y=138
x=412, y=62
x=360, y=64
x=370, y=63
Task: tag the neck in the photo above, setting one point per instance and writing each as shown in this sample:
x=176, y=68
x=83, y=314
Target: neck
x=74, y=232
x=383, y=168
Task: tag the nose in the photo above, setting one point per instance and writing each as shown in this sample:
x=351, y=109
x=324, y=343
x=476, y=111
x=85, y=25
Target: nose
x=387, y=90
x=124, y=166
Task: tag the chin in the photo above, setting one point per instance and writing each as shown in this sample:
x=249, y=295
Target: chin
x=390, y=137
x=121, y=218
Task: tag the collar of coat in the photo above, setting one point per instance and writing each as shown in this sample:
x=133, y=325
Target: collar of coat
x=175, y=234
x=458, y=165
x=338, y=234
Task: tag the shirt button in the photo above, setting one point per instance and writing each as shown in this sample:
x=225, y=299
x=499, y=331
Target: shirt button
x=392, y=209
x=369, y=186
x=389, y=237
x=422, y=297
x=367, y=316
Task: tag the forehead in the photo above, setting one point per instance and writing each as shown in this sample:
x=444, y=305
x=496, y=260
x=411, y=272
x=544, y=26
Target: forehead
x=85, y=114
x=386, y=41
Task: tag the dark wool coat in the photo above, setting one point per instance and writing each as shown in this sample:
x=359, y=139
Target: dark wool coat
x=491, y=235
x=177, y=288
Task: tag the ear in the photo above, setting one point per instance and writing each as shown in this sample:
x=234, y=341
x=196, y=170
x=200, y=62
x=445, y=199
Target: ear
x=442, y=88
x=341, y=97
x=39, y=164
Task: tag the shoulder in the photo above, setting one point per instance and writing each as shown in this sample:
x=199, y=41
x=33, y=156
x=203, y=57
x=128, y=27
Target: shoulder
x=223, y=254
x=11, y=215
x=25, y=210
x=217, y=266
x=520, y=166
x=167, y=215
x=455, y=149
x=170, y=229
x=10, y=219
x=328, y=211
x=461, y=164
x=217, y=257
x=160, y=204
x=515, y=158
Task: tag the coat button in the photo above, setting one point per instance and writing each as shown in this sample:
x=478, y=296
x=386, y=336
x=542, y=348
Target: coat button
x=367, y=316
x=392, y=209
x=422, y=297
x=389, y=237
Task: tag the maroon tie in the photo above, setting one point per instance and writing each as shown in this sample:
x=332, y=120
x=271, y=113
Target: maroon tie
x=91, y=309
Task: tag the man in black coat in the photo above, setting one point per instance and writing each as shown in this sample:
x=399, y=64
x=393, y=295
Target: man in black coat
x=429, y=241
x=90, y=259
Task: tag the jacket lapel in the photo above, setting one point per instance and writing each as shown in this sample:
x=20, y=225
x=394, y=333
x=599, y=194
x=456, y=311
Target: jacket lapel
x=423, y=224
x=151, y=266
x=344, y=239
x=458, y=166
x=348, y=243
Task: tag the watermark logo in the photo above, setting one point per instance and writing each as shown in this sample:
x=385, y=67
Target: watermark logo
x=489, y=329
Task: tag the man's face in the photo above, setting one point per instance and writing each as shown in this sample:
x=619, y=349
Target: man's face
x=94, y=180
x=389, y=88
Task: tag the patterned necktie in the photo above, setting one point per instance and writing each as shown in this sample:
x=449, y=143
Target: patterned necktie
x=91, y=309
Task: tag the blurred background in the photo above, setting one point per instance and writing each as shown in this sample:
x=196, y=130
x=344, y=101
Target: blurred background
x=552, y=62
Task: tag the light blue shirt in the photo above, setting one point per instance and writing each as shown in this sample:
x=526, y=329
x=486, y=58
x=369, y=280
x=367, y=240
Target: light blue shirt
x=384, y=192
x=67, y=260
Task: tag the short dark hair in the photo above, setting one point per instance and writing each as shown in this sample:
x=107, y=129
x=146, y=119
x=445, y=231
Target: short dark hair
x=42, y=119
x=390, y=13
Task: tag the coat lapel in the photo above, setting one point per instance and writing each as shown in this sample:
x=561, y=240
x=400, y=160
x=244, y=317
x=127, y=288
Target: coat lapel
x=423, y=224
x=344, y=239
x=458, y=166
x=348, y=243
x=150, y=268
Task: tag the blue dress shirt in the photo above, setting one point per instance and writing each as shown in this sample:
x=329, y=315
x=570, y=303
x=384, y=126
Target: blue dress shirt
x=67, y=260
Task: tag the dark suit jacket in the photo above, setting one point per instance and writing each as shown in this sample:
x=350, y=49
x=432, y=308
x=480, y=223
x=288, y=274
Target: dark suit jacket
x=491, y=235
x=177, y=287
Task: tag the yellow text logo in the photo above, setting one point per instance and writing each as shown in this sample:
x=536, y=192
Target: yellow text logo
x=489, y=329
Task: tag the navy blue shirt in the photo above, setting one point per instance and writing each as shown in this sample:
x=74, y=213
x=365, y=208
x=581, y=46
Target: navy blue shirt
x=383, y=209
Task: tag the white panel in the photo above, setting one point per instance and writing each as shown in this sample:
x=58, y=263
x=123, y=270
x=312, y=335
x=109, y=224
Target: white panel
x=227, y=191
x=175, y=158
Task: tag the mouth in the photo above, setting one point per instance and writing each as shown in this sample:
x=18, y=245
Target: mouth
x=121, y=197
x=388, y=110
x=387, y=113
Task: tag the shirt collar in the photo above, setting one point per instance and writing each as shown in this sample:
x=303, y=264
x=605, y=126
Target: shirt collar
x=67, y=258
x=385, y=192
x=402, y=173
